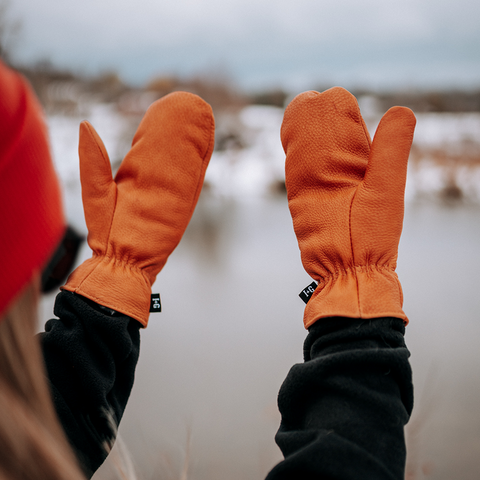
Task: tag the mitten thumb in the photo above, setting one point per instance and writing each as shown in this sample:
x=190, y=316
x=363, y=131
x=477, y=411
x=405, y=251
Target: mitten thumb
x=387, y=165
x=98, y=188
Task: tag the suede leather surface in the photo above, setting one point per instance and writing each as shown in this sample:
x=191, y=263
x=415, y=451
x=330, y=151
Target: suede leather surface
x=136, y=220
x=346, y=198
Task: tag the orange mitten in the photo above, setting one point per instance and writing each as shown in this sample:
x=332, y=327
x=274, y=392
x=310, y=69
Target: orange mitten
x=136, y=220
x=346, y=198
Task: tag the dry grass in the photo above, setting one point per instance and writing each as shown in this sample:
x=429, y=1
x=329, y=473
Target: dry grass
x=457, y=165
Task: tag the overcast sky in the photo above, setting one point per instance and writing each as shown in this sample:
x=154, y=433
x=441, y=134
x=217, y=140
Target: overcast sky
x=295, y=44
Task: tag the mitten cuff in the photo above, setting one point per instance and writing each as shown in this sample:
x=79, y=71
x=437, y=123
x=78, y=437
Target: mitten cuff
x=361, y=292
x=113, y=284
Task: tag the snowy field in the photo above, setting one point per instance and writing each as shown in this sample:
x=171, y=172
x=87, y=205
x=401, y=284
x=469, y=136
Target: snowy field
x=212, y=362
x=251, y=164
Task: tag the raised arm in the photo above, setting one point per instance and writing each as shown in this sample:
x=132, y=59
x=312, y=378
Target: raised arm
x=135, y=221
x=344, y=409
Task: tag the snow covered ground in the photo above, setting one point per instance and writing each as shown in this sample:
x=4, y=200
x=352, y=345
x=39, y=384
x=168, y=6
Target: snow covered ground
x=250, y=162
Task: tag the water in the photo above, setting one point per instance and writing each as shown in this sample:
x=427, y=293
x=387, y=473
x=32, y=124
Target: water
x=212, y=362
x=439, y=265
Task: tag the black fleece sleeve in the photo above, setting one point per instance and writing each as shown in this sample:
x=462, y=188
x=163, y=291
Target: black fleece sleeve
x=90, y=355
x=344, y=409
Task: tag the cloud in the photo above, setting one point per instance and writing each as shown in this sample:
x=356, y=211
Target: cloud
x=276, y=39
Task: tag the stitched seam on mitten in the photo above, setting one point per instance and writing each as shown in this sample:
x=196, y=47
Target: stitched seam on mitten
x=351, y=248
x=200, y=183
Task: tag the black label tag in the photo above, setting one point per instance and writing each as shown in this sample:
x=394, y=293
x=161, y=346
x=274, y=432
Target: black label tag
x=155, y=305
x=307, y=292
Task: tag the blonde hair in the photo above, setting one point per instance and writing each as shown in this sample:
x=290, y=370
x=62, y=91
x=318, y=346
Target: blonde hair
x=32, y=442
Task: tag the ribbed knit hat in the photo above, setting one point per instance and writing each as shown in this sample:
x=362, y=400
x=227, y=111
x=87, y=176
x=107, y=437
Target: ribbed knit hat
x=31, y=214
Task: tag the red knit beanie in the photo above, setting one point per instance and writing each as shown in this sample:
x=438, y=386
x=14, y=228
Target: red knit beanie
x=31, y=215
